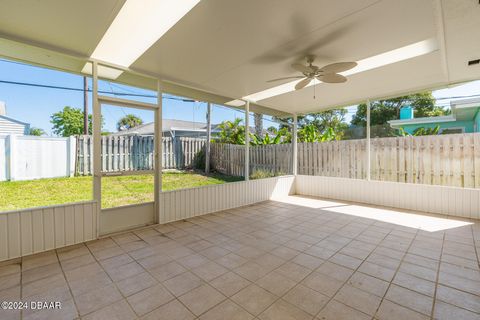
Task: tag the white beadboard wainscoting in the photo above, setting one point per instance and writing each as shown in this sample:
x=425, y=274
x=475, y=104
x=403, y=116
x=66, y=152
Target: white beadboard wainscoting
x=126, y=217
x=186, y=203
x=451, y=201
x=40, y=229
x=35, y=230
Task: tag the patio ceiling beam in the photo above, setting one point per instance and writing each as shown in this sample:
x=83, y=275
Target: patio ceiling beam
x=440, y=25
x=184, y=91
x=61, y=60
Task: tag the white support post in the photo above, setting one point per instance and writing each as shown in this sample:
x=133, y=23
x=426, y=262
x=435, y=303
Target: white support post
x=247, y=140
x=158, y=151
x=368, y=140
x=294, y=145
x=97, y=136
x=209, y=133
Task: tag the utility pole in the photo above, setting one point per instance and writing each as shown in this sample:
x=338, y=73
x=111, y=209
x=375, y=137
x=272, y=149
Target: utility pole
x=85, y=105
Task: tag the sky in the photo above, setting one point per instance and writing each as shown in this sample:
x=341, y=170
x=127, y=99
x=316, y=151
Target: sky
x=35, y=105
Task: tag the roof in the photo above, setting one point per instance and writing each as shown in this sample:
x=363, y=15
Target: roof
x=172, y=125
x=14, y=120
x=464, y=109
x=223, y=50
x=167, y=125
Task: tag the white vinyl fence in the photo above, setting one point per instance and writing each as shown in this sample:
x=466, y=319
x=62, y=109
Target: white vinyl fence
x=30, y=157
x=130, y=153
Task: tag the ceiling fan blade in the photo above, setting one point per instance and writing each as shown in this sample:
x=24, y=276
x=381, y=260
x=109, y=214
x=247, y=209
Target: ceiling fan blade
x=338, y=67
x=332, y=78
x=303, y=83
x=302, y=68
x=286, y=78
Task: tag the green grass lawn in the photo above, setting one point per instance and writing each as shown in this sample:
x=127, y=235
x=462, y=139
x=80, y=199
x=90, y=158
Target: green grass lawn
x=116, y=190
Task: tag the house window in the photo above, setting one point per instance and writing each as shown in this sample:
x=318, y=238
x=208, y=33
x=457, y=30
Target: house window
x=452, y=130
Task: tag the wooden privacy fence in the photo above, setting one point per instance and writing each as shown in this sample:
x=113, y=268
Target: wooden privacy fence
x=448, y=160
x=230, y=159
x=130, y=153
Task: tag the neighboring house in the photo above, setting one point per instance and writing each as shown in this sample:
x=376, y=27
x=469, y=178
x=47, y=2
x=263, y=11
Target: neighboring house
x=465, y=118
x=11, y=126
x=170, y=128
x=175, y=128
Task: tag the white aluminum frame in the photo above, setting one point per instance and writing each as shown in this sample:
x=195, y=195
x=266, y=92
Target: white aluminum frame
x=98, y=174
x=247, y=140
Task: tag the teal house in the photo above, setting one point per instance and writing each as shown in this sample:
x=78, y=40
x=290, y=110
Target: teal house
x=465, y=118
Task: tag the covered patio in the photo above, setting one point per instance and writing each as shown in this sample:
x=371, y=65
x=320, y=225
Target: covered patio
x=284, y=247
x=291, y=258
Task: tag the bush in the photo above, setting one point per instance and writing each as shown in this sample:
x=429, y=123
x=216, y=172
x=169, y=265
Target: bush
x=262, y=174
x=199, y=160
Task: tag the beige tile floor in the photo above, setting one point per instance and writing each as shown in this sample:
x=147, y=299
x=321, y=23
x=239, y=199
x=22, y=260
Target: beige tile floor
x=274, y=260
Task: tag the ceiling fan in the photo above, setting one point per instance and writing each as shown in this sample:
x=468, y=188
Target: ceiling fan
x=327, y=74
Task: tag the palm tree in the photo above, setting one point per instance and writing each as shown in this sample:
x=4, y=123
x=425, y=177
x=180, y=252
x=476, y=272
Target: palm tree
x=36, y=131
x=258, y=120
x=129, y=121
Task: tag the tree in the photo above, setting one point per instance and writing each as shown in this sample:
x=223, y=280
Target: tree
x=272, y=130
x=129, y=121
x=331, y=119
x=258, y=120
x=321, y=121
x=381, y=111
x=287, y=122
x=311, y=133
x=232, y=132
x=36, y=132
x=69, y=122
x=421, y=131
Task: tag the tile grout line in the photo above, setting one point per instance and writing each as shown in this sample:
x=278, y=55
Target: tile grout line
x=354, y=271
x=161, y=282
x=250, y=282
x=68, y=283
x=395, y=274
x=312, y=271
x=475, y=246
x=108, y=275
x=437, y=277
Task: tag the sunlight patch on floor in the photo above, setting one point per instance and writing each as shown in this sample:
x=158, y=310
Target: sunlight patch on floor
x=411, y=219
x=309, y=202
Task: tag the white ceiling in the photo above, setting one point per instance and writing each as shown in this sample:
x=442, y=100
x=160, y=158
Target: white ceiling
x=231, y=48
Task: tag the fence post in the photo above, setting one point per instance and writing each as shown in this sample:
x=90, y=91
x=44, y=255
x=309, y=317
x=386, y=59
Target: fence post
x=10, y=160
x=71, y=155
